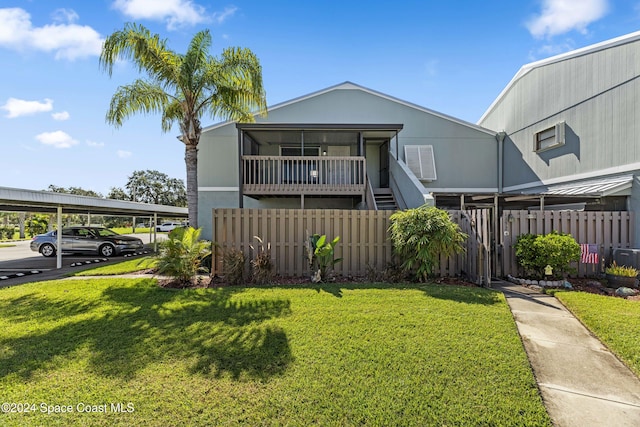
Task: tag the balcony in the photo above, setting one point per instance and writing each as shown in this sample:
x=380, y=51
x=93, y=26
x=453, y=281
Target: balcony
x=309, y=175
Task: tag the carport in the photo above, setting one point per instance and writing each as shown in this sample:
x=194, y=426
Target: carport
x=21, y=200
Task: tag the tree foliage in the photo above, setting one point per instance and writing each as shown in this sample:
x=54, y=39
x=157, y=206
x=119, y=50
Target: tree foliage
x=419, y=236
x=152, y=186
x=183, y=88
x=78, y=191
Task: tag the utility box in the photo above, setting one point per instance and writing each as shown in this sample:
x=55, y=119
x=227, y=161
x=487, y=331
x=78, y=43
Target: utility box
x=627, y=257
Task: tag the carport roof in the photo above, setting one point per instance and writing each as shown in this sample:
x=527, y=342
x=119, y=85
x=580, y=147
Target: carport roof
x=17, y=199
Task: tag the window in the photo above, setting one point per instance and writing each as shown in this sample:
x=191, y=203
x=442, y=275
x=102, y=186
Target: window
x=549, y=138
x=297, y=151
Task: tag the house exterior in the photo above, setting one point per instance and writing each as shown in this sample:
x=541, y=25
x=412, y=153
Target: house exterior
x=569, y=126
x=344, y=147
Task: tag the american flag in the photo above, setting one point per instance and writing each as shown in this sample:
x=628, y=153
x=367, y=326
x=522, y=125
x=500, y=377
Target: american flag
x=589, y=253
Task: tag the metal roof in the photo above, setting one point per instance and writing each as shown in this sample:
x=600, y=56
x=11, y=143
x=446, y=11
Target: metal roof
x=607, y=186
x=17, y=199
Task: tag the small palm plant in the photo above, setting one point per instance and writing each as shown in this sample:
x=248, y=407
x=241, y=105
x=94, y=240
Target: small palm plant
x=182, y=254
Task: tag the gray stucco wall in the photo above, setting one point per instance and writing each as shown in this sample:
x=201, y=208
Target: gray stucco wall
x=595, y=94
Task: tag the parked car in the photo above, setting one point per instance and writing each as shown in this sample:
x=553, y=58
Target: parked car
x=168, y=226
x=100, y=240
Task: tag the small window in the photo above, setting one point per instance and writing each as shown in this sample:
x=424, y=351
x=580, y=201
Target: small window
x=420, y=160
x=549, y=138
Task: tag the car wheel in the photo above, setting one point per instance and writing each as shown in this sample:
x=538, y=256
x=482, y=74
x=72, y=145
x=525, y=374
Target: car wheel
x=106, y=250
x=47, y=250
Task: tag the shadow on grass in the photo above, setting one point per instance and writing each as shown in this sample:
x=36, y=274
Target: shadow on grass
x=462, y=294
x=143, y=324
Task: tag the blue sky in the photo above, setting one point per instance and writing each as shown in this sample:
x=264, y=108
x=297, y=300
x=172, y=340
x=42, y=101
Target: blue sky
x=450, y=56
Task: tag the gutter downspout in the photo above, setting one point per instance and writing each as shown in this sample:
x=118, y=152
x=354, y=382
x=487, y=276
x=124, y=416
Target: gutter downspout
x=498, y=236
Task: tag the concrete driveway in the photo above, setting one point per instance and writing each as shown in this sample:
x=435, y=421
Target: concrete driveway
x=19, y=258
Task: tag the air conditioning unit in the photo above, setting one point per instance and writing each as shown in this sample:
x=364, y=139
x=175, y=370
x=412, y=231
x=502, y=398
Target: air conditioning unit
x=628, y=257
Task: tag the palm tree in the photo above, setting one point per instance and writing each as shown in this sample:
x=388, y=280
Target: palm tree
x=183, y=88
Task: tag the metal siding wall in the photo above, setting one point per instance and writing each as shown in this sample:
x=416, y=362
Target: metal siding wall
x=596, y=94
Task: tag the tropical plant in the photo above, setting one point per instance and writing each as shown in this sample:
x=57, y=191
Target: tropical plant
x=183, y=88
x=182, y=253
x=621, y=270
x=321, y=256
x=557, y=250
x=262, y=267
x=419, y=236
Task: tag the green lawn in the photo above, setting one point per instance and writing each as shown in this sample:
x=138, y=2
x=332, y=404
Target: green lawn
x=124, y=267
x=615, y=321
x=330, y=355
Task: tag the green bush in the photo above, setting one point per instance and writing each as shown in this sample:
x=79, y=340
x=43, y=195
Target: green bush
x=419, y=236
x=558, y=250
x=7, y=232
x=37, y=224
x=182, y=253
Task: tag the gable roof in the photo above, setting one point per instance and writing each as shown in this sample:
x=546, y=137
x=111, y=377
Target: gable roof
x=352, y=86
x=527, y=68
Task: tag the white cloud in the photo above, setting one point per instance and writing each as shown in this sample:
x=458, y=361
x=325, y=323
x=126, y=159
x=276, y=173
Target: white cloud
x=20, y=107
x=175, y=13
x=123, y=154
x=228, y=12
x=64, y=38
x=61, y=116
x=57, y=139
x=562, y=16
x=95, y=144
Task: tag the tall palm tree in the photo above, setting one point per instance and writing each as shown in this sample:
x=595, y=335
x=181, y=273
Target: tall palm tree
x=183, y=88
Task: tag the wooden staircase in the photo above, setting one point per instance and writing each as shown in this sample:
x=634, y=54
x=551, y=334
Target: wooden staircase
x=384, y=199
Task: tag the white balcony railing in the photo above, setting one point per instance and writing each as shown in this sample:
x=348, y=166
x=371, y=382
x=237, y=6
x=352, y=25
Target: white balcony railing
x=289, y=175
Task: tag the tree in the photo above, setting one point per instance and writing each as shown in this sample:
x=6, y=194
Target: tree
x=73, y=190
x=151, y=186
x=183, y=88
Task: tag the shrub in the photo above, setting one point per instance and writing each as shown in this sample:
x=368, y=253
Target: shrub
x=182, y=253
x=419, y=236
x=233, y=261
x=321, y=256
x=7, y=232
x=621, y=270
x=558, y=250
x=37, y=224
x=262, y=268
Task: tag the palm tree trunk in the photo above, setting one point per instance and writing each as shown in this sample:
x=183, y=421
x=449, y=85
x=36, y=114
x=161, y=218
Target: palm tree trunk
x=191, y=162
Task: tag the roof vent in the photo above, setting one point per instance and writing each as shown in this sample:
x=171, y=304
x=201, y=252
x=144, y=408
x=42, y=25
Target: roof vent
x=420, y=160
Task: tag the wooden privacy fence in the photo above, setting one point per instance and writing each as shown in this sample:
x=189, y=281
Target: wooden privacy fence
x=363, y=236
x=363, y=239
x=606, y=230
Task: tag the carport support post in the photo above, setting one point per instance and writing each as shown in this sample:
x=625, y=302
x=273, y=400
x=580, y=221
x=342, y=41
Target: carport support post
x=59, y=239
x=155, y=225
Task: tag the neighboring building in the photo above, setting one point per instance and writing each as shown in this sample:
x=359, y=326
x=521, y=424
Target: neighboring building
x=571, y=126
x=343, y=147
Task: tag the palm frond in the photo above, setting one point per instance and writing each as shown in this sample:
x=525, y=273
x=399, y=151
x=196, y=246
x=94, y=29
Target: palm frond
x=147, y=51
x=138, y=97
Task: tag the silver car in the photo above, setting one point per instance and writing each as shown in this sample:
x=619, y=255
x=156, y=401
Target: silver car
x=92, y=240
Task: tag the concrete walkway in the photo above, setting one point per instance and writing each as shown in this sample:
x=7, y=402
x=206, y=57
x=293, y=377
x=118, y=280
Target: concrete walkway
x=581, y=381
